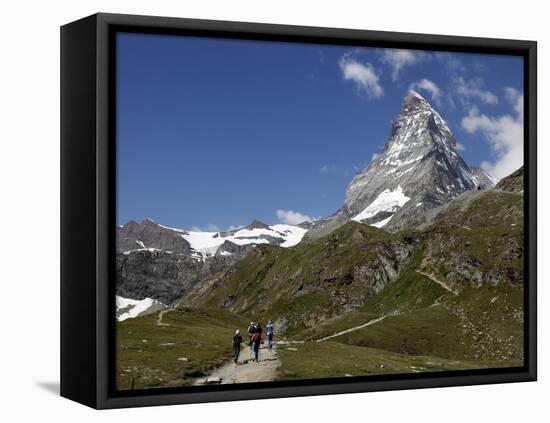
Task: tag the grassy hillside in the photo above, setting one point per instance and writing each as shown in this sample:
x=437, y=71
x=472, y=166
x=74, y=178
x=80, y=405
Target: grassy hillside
x=151, y=355
x=423, y=318
x=300, y=286
x=333, y=359
x=477, y=242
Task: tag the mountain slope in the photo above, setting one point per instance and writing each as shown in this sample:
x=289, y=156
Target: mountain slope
x=472, y=243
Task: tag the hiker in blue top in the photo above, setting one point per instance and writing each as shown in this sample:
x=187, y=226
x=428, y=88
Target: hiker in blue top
x=269, y=333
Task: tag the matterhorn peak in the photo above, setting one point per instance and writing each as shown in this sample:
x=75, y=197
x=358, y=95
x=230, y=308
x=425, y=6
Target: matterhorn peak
x=414, y=101
x=418, y=169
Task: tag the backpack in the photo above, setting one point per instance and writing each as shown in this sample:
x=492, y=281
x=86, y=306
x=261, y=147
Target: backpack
x=255, y=337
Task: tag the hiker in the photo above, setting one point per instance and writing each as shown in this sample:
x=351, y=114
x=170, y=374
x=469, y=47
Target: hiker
x=251, y=331
x=256, y=339
x=237, y=339
x=269, y=333
x=259, y=328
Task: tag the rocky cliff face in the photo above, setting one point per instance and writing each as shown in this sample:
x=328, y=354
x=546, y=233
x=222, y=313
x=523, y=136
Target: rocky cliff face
x=161, y=263
x=162, y=275
x=148, y=234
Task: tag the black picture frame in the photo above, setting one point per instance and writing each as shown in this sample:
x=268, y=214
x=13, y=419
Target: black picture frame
x=88, y=171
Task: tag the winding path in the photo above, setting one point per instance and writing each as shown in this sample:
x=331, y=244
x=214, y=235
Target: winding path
x=364, y=325
x=161, y=315
x=163, y=312
x=437, y=281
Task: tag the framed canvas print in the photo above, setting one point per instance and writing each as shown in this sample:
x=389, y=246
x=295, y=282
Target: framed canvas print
x=255, y=211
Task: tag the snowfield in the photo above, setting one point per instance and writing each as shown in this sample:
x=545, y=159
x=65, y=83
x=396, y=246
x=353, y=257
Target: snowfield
x=206, y=244
x=381, y=223
x=127, y=308
x=387, y=201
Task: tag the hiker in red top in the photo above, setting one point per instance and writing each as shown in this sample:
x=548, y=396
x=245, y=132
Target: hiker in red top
x=251, y=330
x=256, y=339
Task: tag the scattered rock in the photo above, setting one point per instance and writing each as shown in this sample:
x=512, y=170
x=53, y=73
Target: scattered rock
x=213, y=380
x=292, y=349
x=185, y=359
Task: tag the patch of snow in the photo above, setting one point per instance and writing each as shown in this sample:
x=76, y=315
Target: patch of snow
x=292, y=234
x=140, y=243
x=381, y=223
x=387, y=201
x=206, y=244
x=202, y=240
x=128, y=308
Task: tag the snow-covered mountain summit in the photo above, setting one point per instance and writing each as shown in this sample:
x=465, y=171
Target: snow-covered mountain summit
x=419, y=168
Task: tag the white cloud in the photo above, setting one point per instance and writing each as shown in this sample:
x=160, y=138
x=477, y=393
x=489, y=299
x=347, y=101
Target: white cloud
x=460, y=147
x=504, y=134
x=516, y=99
x=473, y=88
x=430, y=87
x=291, y=217
x=362, y=74
x=398, y=59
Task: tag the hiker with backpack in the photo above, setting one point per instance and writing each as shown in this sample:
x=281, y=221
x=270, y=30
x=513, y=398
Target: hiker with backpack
x=269, y=332
x=251, y=331
x=256, y=339
x=237, y=340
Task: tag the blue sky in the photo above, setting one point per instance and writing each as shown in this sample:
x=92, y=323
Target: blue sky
x=213, y=133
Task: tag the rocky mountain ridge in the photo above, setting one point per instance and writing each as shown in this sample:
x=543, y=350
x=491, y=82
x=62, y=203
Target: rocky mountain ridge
x=160, y=263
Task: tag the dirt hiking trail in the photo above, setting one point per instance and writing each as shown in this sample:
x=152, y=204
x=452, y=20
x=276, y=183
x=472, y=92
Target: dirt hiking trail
x=246, y=370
